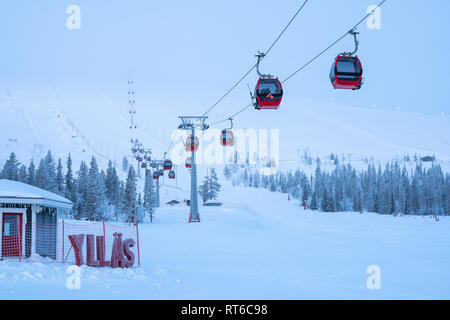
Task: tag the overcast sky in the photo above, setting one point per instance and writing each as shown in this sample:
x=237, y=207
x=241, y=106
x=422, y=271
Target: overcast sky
x=185, y=54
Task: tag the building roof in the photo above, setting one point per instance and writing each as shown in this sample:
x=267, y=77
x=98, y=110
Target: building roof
x=173, y=203
x=18, y=192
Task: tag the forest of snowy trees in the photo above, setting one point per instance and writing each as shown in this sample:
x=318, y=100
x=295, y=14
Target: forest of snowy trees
x=99, y=194
x=96, y=194
x=392, y=190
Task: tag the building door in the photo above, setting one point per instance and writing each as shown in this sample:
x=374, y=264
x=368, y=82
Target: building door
x=12, y=235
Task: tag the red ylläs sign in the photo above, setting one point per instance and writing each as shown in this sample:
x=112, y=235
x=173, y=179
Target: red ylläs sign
x=121, y=255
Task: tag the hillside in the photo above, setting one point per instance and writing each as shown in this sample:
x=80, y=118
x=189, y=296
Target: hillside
x=99, y=126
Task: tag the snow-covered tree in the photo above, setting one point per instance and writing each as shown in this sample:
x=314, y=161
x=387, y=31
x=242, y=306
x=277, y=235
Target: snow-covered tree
x=31, y=176
x=60, y=183
x=129, y=201
x=22, y=176
x=203, y=189
x=120, y=196
x=11, y=168
x=214, y=185
x=82, y=186
x=50, y=173
x=41, y=175
x=95, y=200
x=314, y=201
x=149, y=196
x=125, y=164
x=227, y=172
x=69, y=180
x=111, y=183
x=210, y=188
x=46, y=174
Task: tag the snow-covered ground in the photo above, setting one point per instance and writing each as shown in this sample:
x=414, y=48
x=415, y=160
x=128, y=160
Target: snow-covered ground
x=260, y=246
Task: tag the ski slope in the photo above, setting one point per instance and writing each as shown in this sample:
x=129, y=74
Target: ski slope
x=260, y=246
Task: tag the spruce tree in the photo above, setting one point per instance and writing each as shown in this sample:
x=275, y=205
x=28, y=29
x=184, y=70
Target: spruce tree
x=304, y=185
x=111, y=184
x=129, y=201
x=273, y=187
x=69, y=180
x=31, y=176
x=82, y=186
x=125, y=164
x=227, y=172
x=446, y=195
x=204, y=189
x=214, y=185
x=50, y=173
x=314, y=201
x=149, y=196
x=95, y=201
x=120, y=196
x=11, y=168
x=23, y=176
x=41, y=175
x=60, y=186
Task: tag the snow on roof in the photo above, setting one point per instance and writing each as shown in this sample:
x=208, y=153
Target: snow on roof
x=18, y=192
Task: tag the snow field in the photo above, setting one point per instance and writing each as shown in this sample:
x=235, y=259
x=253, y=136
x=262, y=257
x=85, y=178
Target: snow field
x=271, y=250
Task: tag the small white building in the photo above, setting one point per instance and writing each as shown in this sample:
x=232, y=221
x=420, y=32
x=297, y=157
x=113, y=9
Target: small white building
x=29, y=220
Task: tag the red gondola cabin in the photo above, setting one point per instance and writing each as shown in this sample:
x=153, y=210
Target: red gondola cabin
x=167, y=165
x=227, y=138
x=268, y=93
x=188, y=162
x=192, y=143
x=171, y=174
x=156, y=175
x=346, y=73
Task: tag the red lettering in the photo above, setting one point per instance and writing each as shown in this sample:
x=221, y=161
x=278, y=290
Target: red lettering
x=90, y=252
x=101, y=252
x=121, y=256
x=129, y=255
x=77, y=244
x=117, y=256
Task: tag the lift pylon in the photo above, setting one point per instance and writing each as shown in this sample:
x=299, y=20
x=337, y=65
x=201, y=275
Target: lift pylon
x=190, y=123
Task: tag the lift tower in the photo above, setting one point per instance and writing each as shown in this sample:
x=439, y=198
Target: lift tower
x=157, y=164
x=190, y=123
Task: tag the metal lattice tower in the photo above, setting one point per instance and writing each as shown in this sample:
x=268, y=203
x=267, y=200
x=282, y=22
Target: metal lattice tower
x=131, y=104
x=158, y=164
x=139, y=147
x=132, y=112
x=190, y=123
